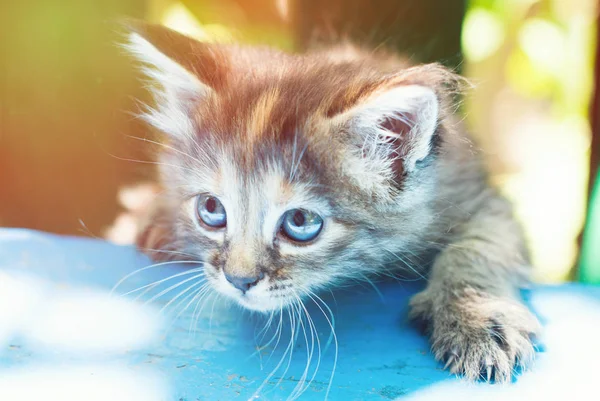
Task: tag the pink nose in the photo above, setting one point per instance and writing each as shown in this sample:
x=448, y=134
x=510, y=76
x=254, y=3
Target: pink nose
x=244, y=283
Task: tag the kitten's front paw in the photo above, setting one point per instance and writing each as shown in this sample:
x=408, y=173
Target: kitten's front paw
x=480, y=336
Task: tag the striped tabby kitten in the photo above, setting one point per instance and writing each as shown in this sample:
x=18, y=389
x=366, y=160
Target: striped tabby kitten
x=293, y=173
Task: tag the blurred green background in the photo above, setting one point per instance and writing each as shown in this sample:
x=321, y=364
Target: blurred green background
x=68, y=94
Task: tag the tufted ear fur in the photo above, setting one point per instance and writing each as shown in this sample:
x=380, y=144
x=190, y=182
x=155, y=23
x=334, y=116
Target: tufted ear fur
x=390, y=132
x=181, y=72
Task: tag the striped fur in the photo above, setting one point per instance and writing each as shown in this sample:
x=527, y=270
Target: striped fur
x=365, y=140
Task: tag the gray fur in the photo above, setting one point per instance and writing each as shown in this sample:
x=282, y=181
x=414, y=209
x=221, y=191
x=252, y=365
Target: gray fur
x=437, y=217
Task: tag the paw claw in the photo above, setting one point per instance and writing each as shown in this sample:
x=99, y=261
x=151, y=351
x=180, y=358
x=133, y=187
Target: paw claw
x=449, y=361
x=483, y=341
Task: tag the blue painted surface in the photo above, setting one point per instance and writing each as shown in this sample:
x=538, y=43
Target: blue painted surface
x=66, y=316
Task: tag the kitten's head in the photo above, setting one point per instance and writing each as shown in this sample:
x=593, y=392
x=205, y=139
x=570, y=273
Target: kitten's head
x=287, y=173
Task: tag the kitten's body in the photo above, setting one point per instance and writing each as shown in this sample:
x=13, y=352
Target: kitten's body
x=364, y=141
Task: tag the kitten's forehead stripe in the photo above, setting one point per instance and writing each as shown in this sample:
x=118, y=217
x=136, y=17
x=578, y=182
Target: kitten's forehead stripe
x=274, y=98
x=273, y=102
x=261, y=114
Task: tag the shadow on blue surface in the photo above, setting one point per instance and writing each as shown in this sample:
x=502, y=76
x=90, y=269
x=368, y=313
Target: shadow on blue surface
x=62, y=314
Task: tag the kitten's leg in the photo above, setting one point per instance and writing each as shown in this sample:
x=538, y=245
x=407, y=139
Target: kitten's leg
x=471, y=307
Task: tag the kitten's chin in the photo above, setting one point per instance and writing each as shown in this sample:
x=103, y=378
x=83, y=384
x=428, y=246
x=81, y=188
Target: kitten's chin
x=258, y=305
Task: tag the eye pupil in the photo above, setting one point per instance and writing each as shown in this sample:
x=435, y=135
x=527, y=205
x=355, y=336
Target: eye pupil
x=210, y=211
x=299, y=219
x=301, y=225
x=211, y=205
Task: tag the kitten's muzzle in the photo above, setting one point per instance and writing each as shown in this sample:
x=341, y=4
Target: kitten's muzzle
x=244, y=283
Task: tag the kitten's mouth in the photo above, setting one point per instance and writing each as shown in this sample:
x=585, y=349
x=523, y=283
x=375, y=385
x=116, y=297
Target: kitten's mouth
x=256, y=298
x=259, y=303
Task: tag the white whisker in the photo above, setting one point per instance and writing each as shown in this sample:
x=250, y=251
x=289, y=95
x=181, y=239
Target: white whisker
x=281, y=360
x=302, y=384
x=202, y=300
x=277, y=332
x=157, y=282
x=405, y=263
x=153, y=162
x=166, y=147
x=181, y=293
x=369, y=281
x=146, y=268
x=331, y=322
x=167, y=290
x=193, y=296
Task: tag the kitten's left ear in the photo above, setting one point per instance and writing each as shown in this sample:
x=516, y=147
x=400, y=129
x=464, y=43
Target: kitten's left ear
x=386, y=135
x=182, y=72
x=396, y=127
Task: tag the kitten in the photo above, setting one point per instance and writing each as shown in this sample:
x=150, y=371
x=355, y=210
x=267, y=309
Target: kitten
x=287, y=174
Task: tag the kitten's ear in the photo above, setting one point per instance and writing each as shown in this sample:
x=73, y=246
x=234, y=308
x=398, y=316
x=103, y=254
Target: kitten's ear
x=182, y=71
x=392, y=131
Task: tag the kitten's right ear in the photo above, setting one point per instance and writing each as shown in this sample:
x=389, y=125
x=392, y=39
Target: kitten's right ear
x=182, y=71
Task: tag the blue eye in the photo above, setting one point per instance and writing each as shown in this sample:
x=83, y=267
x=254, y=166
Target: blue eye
x=210, y=211
x=301, y=225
